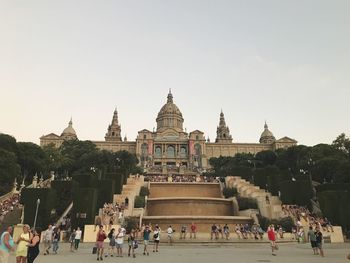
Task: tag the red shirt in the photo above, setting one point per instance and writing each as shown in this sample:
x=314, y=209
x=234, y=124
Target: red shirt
x=271, y=235
x=193, y=228
x=101, y=237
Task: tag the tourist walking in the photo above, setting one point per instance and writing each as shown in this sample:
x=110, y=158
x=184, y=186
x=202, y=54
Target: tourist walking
x=6, y=245
x=48, y=239
x=319, y=240
x=312, y=238
x=272, y=237
x=22, y=245
x=56, y=239
x=193, y=230
x=119, y=239
x=100, y=238
x=156, y=238
x=77, y=238
x=71, y=240
x=111, y=237
x=146, y=234
x=132, y=243
x=33, y=247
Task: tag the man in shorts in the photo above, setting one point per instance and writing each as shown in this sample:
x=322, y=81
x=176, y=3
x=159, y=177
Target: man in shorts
x=183, y=232
x=170, y=232
x=146, y=234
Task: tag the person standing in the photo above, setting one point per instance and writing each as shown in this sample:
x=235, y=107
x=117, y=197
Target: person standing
x=227, y=232
x=33, y=247
x=111, y=237
x=319, y=240
x=312, y=238
x=56, y=239
x=156, y=238
x=48, y=239
x=146, y=234
x=100, y=238
x=131, y=243
x=272, y=237
x=71, y=240
x=183, y=232
x=6, y=245
x=170, y=232
x=193, y=230
x=77, y=238
x=119, y=238
x=22, y=245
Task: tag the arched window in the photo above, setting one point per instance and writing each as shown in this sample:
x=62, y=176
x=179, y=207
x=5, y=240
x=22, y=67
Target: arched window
x=170, y=151
x=144, y=149
x=183, y=151
x=158, y=151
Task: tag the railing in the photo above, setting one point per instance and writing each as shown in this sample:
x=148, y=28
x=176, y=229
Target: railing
x=65, y=213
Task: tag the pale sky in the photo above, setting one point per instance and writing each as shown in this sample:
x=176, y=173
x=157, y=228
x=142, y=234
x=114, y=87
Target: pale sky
x=287, y=62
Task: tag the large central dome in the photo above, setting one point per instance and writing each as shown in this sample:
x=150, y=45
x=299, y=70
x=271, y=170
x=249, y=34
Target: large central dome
x=170, y=116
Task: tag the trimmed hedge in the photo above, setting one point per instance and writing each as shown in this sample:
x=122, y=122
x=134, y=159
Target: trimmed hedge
x=229, y=192
x=64, y=190
x=245, y=203
x=144, y=191
x=287, y=223
x=46, y=211
x=335, y=205
x=85, y=206
x=298, y=192
x=139, y=202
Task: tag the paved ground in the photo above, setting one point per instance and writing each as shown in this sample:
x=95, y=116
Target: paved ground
x=211, y=253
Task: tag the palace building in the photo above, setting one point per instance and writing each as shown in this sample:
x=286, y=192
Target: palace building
x=169, y=146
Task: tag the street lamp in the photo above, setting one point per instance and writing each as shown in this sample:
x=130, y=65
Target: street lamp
x=36, y=212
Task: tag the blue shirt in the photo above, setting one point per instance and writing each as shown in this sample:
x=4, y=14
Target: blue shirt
x=3, y=247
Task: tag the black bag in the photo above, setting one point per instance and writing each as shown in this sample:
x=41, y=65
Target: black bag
x=155, y=236
x=94, y=250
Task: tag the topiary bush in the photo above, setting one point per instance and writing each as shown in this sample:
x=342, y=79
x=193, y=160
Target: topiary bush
x=144, y=191
x=139, y=202
x=229, y=192
x=246, y=203
x=287, y=223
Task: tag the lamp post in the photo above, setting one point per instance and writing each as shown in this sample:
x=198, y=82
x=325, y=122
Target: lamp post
x=36, y=212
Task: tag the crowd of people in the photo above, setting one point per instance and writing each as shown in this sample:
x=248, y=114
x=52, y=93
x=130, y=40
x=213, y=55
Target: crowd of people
x=8, y=205
x=111, y=214
x=181, y=178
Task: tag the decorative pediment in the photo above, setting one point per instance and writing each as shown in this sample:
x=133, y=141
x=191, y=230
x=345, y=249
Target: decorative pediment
x=144, y=131
x=286, y=139
x=196, y=132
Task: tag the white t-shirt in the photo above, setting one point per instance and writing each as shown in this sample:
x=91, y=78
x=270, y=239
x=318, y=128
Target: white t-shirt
x=48, y=234
x=120, y=238
x=156, y=232
x=169, y=231
x=78, y=234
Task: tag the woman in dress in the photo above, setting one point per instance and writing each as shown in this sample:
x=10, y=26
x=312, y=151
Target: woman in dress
x=101, y=236
x=22, y=248
x=33, y=246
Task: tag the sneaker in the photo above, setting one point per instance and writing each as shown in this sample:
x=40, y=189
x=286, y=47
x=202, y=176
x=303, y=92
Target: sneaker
x=98, y=259
x=101, y=258
x=144, y=253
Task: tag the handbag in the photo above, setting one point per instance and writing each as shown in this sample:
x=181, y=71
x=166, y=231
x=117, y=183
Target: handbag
x=94, y=250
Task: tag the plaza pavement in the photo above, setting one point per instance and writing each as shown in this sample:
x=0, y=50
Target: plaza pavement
x=208, y=253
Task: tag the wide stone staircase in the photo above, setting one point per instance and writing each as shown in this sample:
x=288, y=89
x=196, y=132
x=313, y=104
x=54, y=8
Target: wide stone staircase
x=268, y=204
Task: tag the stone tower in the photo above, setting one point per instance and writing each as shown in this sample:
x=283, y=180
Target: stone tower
x=267, y=136
x=114, y=129
x=223, y=132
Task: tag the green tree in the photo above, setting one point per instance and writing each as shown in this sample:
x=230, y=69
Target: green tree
x=9, y=170
x=8, y=143
x=342, y=143
x=266, y=158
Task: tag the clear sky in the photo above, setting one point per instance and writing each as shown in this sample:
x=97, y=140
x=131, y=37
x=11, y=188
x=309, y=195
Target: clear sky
x=287, y=62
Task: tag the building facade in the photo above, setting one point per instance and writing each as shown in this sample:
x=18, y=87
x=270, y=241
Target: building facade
x=169, y=147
